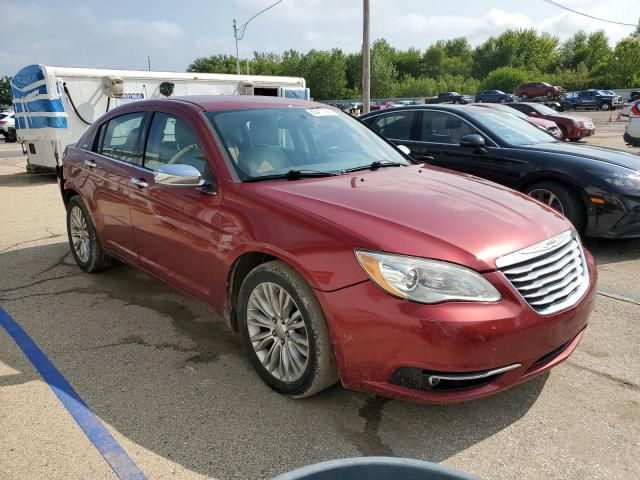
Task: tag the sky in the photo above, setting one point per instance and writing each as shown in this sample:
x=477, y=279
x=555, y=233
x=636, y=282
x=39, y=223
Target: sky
x=120, y=34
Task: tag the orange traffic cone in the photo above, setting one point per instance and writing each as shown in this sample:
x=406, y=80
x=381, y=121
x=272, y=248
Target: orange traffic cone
x=619, y=116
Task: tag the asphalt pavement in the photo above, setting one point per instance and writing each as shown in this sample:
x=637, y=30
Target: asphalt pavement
x=172, y=385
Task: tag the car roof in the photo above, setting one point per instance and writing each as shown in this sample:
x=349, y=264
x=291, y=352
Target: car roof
x=232, y=102
x=439, y=107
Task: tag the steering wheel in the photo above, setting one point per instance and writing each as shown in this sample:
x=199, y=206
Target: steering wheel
x=181, y=153
x=332, y=151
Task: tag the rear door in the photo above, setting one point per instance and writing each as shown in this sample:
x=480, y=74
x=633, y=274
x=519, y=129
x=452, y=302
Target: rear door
x=400, y=127
x=440, y=133
x=175, y=227
x=113, y=161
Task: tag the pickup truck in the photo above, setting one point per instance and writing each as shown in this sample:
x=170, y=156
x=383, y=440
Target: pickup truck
x=449, y=97
x=592, y=98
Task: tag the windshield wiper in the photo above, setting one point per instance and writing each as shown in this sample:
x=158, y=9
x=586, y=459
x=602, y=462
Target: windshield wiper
x=375, y=165
x=292, y=175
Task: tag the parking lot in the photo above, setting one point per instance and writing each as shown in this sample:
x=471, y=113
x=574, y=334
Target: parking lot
x=174, y=387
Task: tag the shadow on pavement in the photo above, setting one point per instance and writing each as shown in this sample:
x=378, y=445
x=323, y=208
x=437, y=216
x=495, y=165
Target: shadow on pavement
x=167, y=374
x=608, y=251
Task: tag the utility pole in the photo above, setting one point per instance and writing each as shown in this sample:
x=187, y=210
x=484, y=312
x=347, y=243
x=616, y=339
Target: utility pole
x=149, y=62
x=366, y=59
x=238, y=32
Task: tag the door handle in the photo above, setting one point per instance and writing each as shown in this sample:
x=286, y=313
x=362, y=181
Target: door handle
x=90, y=163
x=139, y=182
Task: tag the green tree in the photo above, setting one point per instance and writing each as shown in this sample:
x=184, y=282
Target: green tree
x=265, y=64
x=636, y=32
x=325, y=73
x=6, y=98
x=383, y=71
x=505, y=79
x=626, y=63
x=214, y=64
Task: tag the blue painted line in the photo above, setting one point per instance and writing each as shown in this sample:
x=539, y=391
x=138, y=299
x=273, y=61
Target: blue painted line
x=123, y=466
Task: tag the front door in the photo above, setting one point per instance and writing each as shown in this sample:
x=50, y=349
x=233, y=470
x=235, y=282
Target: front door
x=115, y=157
x=175, y=227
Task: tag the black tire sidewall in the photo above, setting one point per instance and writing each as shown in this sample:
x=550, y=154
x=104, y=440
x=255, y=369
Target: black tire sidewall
x=571, y=204
x=254, y=278
x=95, y=250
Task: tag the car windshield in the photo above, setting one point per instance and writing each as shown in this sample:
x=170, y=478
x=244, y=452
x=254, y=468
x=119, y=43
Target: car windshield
x=511, y=131
x=544, y=110
x=272, y=141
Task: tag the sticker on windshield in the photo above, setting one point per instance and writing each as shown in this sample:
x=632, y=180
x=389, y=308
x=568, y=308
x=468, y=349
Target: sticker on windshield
x=321, y=112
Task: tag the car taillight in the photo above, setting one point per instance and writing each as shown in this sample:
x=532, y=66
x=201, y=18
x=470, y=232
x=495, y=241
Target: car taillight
x=2, y=122
x=635, y=111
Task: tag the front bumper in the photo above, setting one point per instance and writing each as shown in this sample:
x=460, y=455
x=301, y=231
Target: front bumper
x=575, y=133
x=376, y=335
x=618, y=217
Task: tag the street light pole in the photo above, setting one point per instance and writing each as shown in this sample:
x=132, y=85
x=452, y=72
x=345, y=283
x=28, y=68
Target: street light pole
x=366, y=59
x=238, y=32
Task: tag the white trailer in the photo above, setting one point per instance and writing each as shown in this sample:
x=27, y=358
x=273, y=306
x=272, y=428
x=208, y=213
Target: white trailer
x=55, y=105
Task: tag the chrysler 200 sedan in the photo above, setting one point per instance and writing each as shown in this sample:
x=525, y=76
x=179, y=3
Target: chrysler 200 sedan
x=331, y=254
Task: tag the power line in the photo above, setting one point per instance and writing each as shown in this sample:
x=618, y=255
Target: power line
x=559, y=5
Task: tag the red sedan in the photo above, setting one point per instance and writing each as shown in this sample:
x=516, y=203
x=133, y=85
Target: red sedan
x=573, y=128
x=331, y=254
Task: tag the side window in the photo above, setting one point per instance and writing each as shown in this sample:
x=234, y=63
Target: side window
x=121, y=138
x=394, y=125
x=442, y=127
x=172, y=140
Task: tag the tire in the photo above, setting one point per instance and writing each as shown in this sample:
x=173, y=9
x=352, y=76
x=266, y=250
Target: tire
x=479, y=100
x=503, y=100
x=319, y=369
x=565, y=134
x=550, y=94
x=605, y=107
x=570, y=204
x=524, y=97
x=89, y=256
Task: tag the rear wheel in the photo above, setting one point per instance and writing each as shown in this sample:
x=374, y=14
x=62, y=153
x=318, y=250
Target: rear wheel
x=83, y=239
x=561, y=198
x=285, y=332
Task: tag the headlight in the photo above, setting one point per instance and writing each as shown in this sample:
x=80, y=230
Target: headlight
x=629, y=182
x=425, y=281
x=575, y=122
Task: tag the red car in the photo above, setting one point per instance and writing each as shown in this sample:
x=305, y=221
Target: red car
x=537, y=89
x=546, y=125
x=331, y=254
x=573, y=128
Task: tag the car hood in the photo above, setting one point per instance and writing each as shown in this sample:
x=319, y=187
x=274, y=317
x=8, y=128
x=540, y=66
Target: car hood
x=598, y=154
x=424, y=212
x=554, y=118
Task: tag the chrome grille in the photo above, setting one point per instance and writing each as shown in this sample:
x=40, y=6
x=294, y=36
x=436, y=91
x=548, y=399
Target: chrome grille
x=550, y=275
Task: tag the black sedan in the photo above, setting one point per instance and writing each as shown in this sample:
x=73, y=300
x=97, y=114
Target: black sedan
x=598, y=189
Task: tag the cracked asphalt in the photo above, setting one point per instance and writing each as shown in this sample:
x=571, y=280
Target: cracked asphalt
x=173, y=386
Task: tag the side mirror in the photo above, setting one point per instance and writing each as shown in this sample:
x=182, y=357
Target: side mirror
x=404, y=149
x=533, y=114
x=178, y=175
x=473, y=141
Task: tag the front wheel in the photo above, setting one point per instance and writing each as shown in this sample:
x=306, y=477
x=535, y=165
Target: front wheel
x=83, y=239
x=605, y=107
x=560, y=198
x=503, y=100
x=285, y=332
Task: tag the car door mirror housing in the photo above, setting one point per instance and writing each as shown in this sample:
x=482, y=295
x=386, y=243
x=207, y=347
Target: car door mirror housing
x=178, y=175
x=533, y=114
x=473, y=141
x=404, y=149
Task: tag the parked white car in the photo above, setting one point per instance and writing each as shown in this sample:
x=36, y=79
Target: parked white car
x=8, y=120
x=632, y=130
x=626, y=108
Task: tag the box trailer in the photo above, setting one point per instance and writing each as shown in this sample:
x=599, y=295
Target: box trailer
x=55, y=105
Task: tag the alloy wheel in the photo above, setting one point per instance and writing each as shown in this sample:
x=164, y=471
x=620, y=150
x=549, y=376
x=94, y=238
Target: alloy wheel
x=80, y=234
x=547, y=197
x=277, y=332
